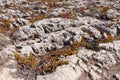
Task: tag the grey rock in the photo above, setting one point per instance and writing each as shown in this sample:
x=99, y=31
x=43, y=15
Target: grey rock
x=94, y=75
x=112, y=13
x=26, y=50
x=38, y=48
x=4, y=41
x=106, y=58
x=28, y=31
x=116, y=76
x=72, y=73
x=58, y=11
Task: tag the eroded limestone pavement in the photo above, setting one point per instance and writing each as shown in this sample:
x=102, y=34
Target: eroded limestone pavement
x=39, y=26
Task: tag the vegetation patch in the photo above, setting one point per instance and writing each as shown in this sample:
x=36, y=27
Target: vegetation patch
x=39, y=64
x=47, y=63
x=109, y=38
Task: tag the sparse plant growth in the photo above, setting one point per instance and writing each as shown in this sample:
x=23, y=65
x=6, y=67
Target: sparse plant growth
x=109, y=38
x=105, y=9
x=46, y=63
x=69, y=15
x=38, y=17
x=49, y=62
x=87, y=31
x=53, y=0
x=54, y=39
x=39, y=65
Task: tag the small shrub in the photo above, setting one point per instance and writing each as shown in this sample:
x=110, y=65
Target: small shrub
x=39, y=65
x=28, y=62
x=48, y=63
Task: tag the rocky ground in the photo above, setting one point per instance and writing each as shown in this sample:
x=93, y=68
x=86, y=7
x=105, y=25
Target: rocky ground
x=59, y=40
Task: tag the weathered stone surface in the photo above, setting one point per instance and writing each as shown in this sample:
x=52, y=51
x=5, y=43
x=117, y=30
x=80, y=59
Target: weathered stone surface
x=40, y=26
x=116, y=76
x=4, y=41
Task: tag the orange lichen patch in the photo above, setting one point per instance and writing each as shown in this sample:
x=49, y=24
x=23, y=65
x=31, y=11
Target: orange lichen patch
x=82, y=8
x=5, y=26
x=110, y=38
x=69, y=15
x=2, y=12
x=105, y=9
x=118, y=23
x=102, y=47
x=6, y=23
x=101, y=40
x=90, y=33
x=2, y=30
x=38, y=17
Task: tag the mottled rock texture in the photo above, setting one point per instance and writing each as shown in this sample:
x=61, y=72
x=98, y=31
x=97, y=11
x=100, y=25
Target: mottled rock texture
x=83, y=34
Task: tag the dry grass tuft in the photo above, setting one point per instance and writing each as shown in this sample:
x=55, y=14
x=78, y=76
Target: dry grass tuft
x=28, y=62
x=39, y=64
